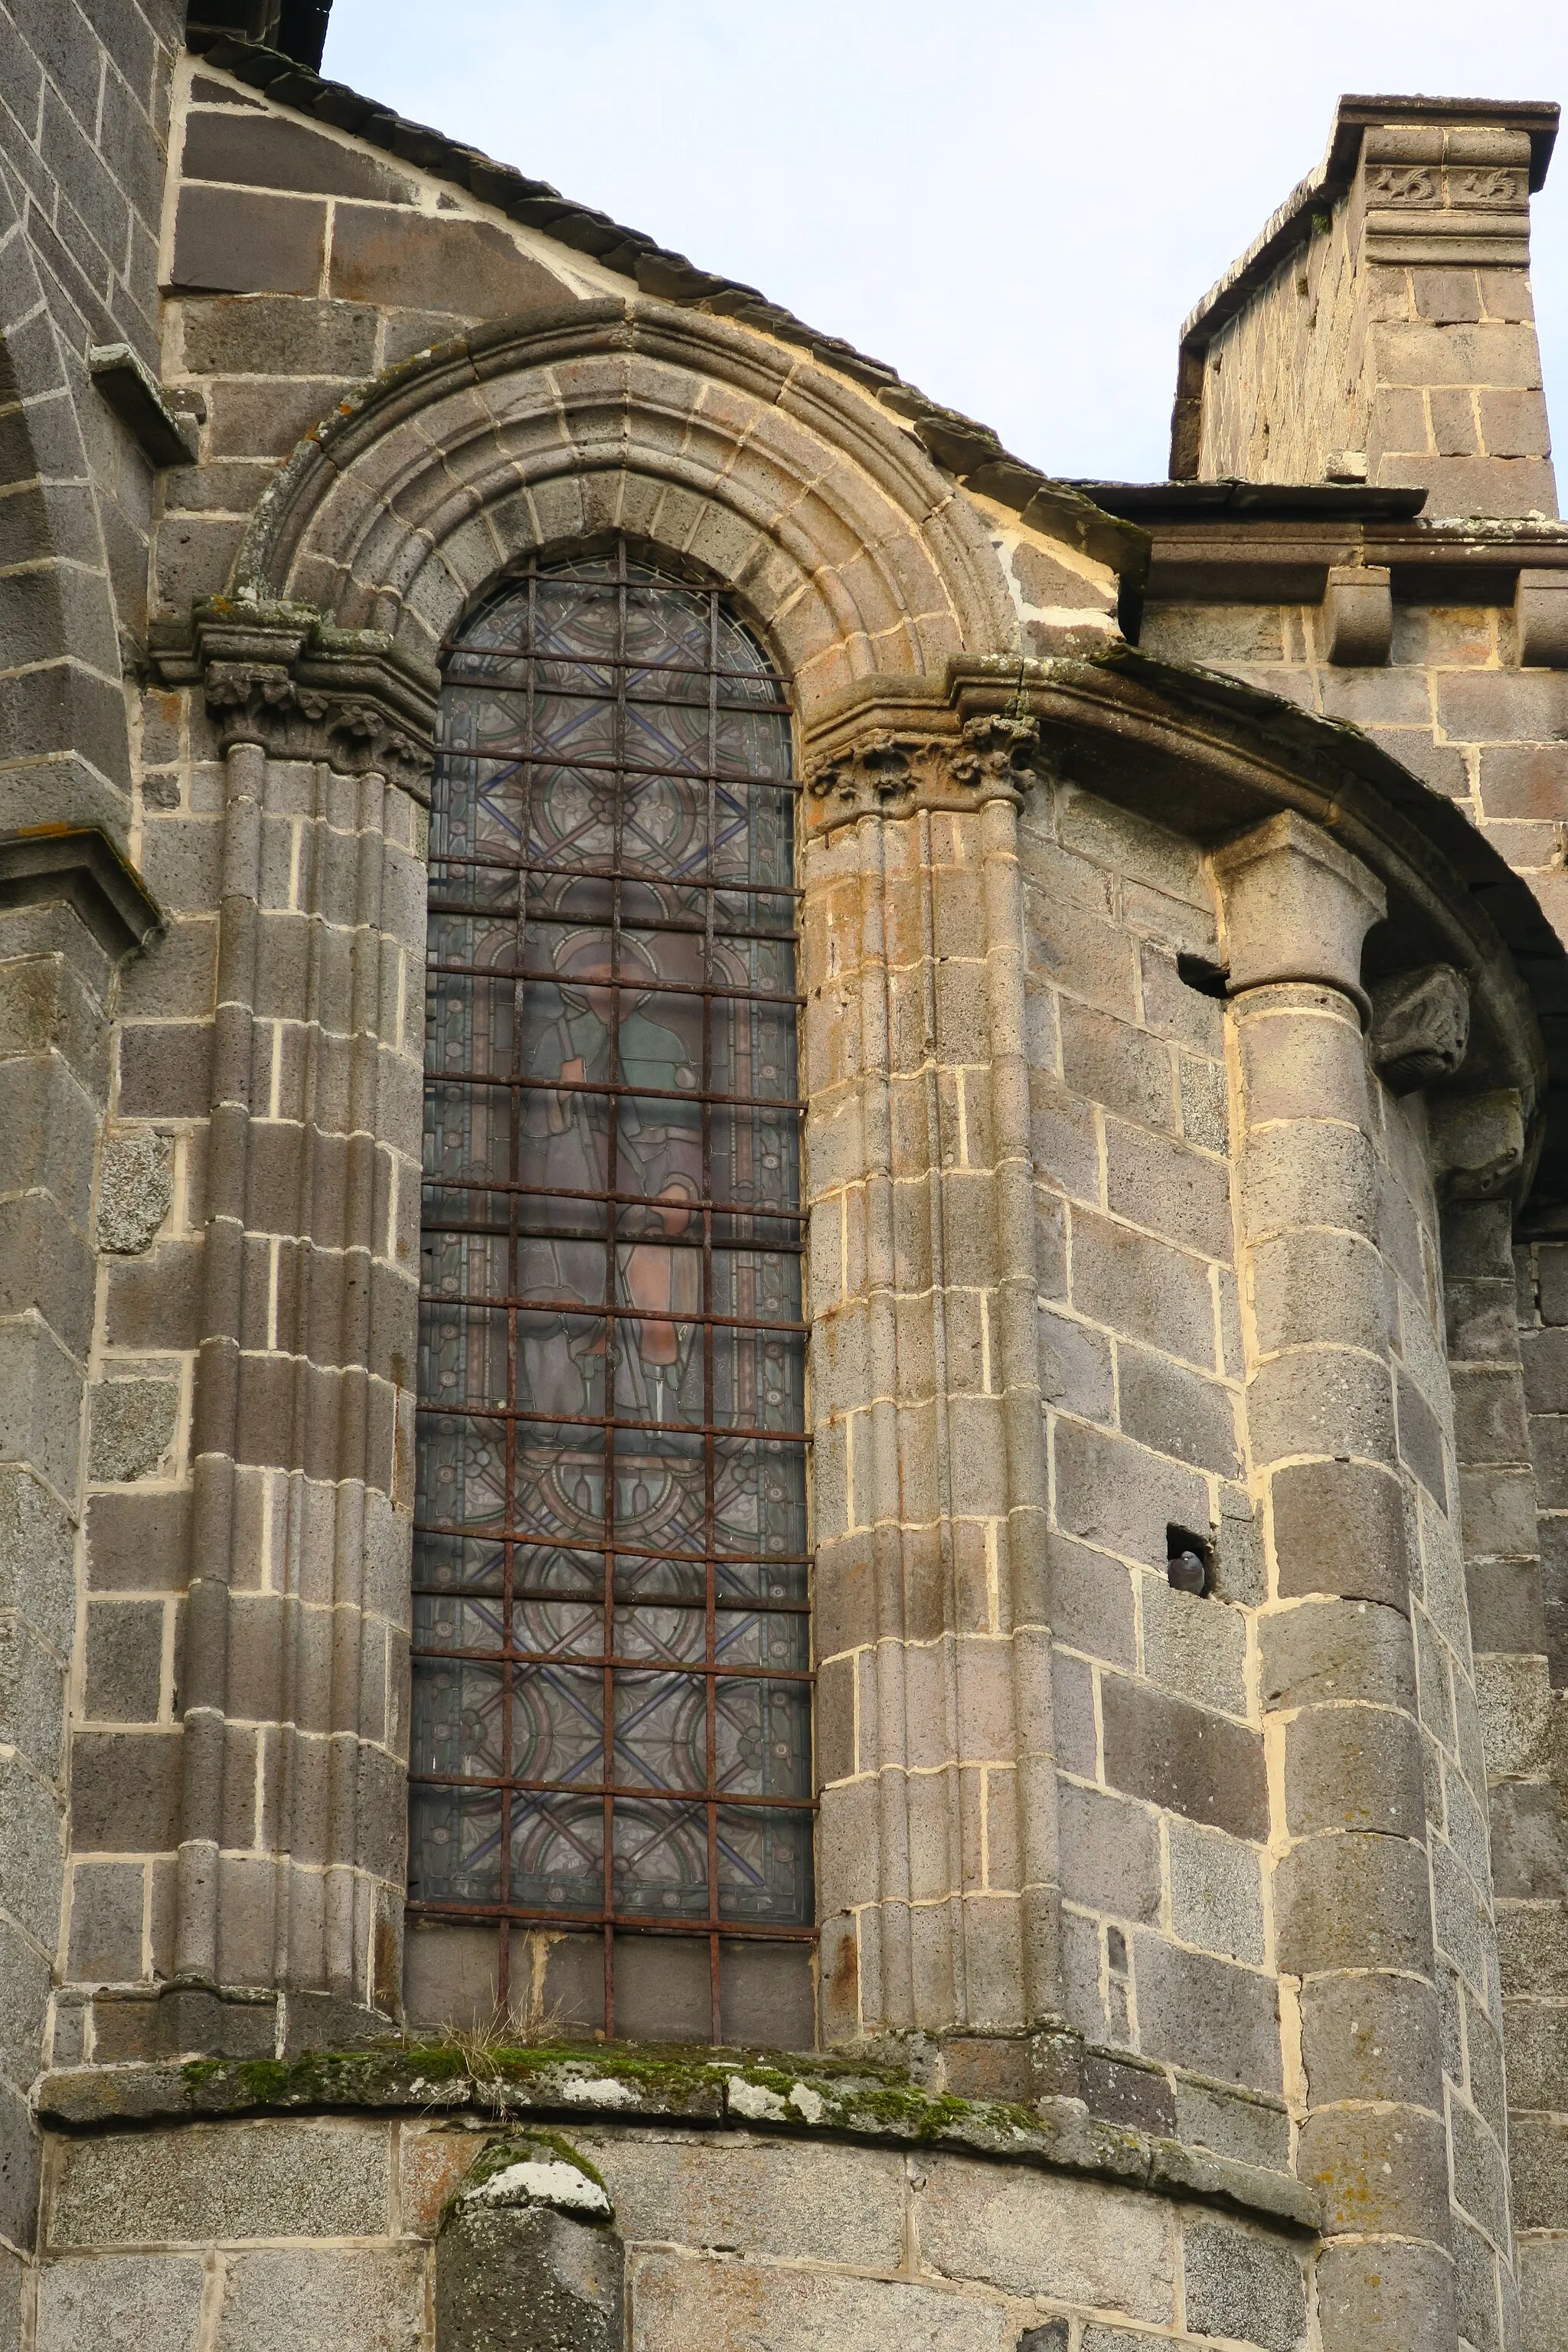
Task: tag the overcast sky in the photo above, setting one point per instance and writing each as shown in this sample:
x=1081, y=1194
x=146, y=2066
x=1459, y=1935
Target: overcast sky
x=1015, y=203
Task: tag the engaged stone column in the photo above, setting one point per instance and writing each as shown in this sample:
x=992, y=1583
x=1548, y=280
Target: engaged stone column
x=289, y=1908
x=1352, y=1920
x=936, y=1762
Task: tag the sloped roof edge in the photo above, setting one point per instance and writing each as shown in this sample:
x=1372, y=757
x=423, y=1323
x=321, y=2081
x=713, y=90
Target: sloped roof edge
x=970, y=452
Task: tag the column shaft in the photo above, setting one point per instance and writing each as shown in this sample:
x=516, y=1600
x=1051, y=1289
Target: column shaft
x=1352, y=1919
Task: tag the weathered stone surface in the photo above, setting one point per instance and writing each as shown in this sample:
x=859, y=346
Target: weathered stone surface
x=1066, y=2240
x=133, y=1428
x=135, y=1190
x=1196, y=2011
x=1180, y=1756
x=1242, y=2285
x=1216, y=1896
x=30, y=1854
x=525, y=2279
x=295, y=2300
x=1237, y=1257
x=132, y=2302
x=287, y=2179
x=470, y=267
x=1384, y=2294
x=680, y=2305
x=1543, y=2286
x=249, y=244
x=765, y=2199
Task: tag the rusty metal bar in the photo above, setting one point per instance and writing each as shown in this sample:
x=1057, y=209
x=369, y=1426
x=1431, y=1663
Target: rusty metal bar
x=580, y=1662
x=498, y=1412
x=476, y=1533
x=593, y=1314
x=481, y=1782
x=642, y=1923
x=659, y=987
x=471, y=862
x=506, y=755
x=613, y=1089
x=500, y=1184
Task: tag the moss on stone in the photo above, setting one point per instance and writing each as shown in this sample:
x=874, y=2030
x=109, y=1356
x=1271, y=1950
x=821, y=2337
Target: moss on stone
x=519, y=2147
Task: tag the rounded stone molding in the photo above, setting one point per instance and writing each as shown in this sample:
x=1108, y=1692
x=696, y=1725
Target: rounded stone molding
x=849, y=548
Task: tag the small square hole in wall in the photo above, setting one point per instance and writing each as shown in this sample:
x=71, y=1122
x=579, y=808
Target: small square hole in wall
x=1199, y=972
x=1188, y=1559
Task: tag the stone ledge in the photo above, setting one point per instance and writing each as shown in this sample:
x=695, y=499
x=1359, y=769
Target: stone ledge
x=809, y=2098
x=80, y=866
x=165, y=435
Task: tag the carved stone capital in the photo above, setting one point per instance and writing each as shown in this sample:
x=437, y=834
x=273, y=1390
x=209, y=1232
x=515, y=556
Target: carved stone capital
x=1297, y=908
x=278, y=678
x=893, y=772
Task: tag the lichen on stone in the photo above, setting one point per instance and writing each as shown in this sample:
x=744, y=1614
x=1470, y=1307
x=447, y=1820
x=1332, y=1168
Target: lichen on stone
x=135, y=1191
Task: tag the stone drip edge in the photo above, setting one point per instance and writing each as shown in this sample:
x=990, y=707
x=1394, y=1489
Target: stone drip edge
x=804, y=2098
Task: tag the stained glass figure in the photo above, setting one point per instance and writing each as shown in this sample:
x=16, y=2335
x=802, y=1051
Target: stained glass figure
x=611, y=1680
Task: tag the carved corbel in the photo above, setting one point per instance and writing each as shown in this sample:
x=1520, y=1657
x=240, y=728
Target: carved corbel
x=891, y=773
x=1478, y=1143
x=1420, y=1026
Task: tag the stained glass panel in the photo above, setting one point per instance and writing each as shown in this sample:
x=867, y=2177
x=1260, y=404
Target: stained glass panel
x=612, y=1687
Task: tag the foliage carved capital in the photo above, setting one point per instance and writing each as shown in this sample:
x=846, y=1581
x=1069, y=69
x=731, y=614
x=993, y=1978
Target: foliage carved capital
x=279, y=677
x=894, y=772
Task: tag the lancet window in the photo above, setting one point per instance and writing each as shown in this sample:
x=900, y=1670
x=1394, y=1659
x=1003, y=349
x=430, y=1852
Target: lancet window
x=612, y=1722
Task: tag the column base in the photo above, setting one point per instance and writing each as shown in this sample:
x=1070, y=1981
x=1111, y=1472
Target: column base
x=204, y=2020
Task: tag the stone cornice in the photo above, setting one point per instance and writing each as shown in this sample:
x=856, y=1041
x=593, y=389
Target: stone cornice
x=1291, y=224
x=276, y=675
x=1490, y=156
x=805, y=2097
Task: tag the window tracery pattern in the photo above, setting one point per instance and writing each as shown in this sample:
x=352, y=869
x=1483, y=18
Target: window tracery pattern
x=611, y=1675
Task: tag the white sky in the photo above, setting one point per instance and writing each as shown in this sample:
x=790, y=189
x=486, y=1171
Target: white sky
x=1013, y=202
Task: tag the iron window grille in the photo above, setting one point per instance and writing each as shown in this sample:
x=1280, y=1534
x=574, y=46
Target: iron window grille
x=611, y=1723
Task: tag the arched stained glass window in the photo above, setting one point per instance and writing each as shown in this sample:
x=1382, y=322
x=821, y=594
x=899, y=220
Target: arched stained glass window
x=612, y=1720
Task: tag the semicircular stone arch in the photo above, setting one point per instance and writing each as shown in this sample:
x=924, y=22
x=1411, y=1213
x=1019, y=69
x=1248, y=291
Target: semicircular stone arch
x=853, y=555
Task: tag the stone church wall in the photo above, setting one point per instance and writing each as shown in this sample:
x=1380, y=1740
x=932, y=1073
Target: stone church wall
x=1381, y=328
x=84, y=97
x=1183, y=1926
x=260, y=2236
x=1456, y=706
